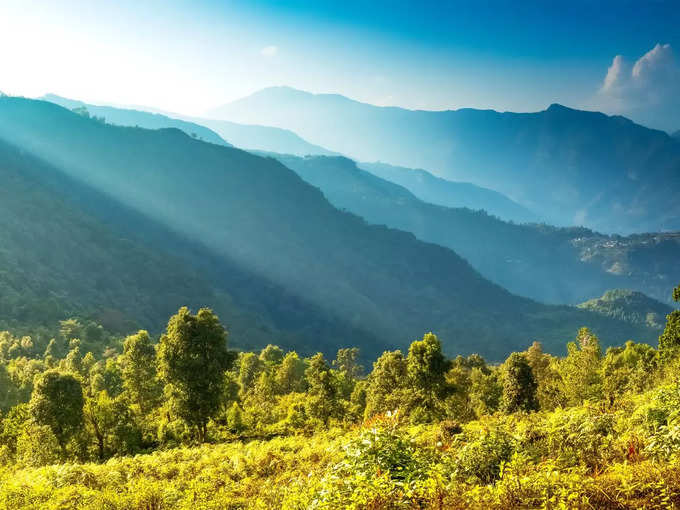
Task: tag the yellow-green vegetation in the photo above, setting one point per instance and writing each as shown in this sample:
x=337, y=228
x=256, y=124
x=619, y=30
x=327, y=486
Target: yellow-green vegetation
x=188, y=424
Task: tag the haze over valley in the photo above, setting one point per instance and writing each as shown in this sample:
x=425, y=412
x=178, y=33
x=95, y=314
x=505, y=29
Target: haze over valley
x=284, y=255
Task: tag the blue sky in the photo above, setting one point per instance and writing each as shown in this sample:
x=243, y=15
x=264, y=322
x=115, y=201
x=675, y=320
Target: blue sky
x=192, y=55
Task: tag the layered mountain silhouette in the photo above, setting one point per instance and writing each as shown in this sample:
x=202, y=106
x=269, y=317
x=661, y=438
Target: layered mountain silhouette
x=570, y=167
x=436, y=190
x=271, y=244
x=215, y=131
x=557, y=265
x=281, y=141
x=137, y=118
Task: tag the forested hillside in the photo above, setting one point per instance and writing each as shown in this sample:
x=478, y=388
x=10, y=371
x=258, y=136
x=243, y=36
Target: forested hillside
x=630, y=306
x=557, y=265
x=58, y=261
x=185, y=423
x=570, y=167
x=267, y=223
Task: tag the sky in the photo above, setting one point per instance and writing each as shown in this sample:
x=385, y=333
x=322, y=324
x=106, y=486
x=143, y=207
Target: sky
x=621, y=57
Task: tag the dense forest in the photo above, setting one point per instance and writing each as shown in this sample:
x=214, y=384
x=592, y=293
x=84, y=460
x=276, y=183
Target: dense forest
x=211, y=427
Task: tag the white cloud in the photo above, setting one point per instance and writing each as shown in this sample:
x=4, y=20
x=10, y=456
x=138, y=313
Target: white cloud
x=647, y=90
x=269, y=51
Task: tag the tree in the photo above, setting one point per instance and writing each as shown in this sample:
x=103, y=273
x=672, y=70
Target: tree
x=387, y=383
x=140, y=378
x=322, y=400
x=271, y=354
x=57, y=401
x=543, y=366
x=290, y=375
x=250, y=367
x=580, y=371
x=9, y=392
x=669, y=341
x=111, y=423
x=347, y=362
x=519, y=385
x=348, y=370
x=426, y=367
x=192, y=359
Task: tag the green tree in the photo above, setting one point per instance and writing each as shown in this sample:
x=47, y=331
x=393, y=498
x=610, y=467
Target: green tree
x=139, y=371
x=250, y=367
x=271, y=354
x=519, y=385
x=322, y=401
x=192, y=360
x=580, y=371
x=9, y=392
x=235, y=418
x=57, y=401
x=110, y=423
x=37, y=445
x=669, y=341
x=348, y=370
x=387, y=383
x=290, y=374
x=426, y=367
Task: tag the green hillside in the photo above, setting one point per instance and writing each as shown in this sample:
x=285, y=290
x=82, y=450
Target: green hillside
x=549, y=264
x=381, y=284
x=630, y=306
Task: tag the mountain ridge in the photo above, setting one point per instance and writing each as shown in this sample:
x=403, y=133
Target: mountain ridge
x=381, y=282
x=571, y=167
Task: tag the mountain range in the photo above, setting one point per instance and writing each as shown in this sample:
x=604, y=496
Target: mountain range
x=435, y=190
x=275, y=140
x=549, y=264
x=569, y=167
x=210, y=130
x=264, y=247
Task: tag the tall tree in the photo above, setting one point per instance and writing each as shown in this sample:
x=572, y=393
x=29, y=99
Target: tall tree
x=426, y=368
x=192, y=359
x=290, y=375
x=669, y=341
x=580, y=371
x=519, y=385
x=322, y=402
x=140, y=378
x=387, y=384
x=57, y=401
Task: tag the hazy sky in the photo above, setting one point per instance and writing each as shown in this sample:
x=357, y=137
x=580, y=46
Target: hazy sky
x=189, y=56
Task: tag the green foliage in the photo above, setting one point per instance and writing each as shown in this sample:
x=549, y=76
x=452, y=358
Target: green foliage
x=192, y=358
x=57, y=402
x=139, y=372
x=302, y=434
x=519, y=385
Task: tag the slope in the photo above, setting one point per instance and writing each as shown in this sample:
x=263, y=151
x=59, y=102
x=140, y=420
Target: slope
x=139, y=118
x=630, y=306
x=557, y=265
x=436, y=190
x=262, y=217
x=209, y=130
x=568, y=166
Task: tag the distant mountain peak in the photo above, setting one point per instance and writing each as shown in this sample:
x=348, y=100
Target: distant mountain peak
x=556, y=107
